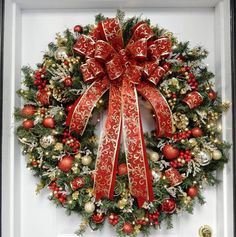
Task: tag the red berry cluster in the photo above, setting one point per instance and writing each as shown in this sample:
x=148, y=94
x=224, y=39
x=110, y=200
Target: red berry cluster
x=192, y=81
x=113, y=219
x=71, y=141
x=182, y=135
x=39, y=81
x=57, y=193
x=141, y=221
x=184, y=156
x=153, y=217
x=67, y=81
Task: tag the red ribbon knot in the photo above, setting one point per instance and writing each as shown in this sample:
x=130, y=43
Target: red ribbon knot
x=125, y=72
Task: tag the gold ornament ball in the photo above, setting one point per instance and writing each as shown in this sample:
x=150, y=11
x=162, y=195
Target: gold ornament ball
x=78, y=156
x=86, y=160
x=58, y=146
x=192, y=141
x=154, y=156
x=216, y=155
x=89, y=207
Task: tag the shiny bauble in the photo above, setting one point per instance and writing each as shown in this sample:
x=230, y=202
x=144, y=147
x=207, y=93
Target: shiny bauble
x=89, y=207
x=28, y=110
x=192, y=191
x=78, y=29
x=204, y=157
x=122, y=169
x=49, y=122
x=197, y=132
x=192, y=142
x=168, y=205
x=216, y=155
x=46, y=141
x=98, y=218
x=61, y=53
x=127, y=228
x=86, y=160
x=43, y=96
x=212, y=94
x=77, y=183
x=28, y=123
x=65, y=164
x=154, y=156
x=170, y=152
x=68, y=82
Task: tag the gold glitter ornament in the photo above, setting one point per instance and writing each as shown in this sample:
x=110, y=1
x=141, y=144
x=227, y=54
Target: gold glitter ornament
x=58, y=146
x=181, y=121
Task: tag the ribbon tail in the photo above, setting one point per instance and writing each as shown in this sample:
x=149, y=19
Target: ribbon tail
x=135, y=149
x=164, y=123
x=109, y=146
x=82, y=109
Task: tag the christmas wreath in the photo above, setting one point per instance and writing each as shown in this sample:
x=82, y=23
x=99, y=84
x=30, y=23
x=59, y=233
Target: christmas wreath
x=118, y=65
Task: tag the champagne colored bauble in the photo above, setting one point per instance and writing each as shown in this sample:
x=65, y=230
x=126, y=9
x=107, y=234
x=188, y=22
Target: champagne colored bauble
x=154, y=156
x=61, y=53
x=49, y=122
x=204, y=157
x=46, y=141
x=86, y=160
x=170, y=152
x=28, y=110
x=28, y=123
x=89, y=207
x=65, y=164
x=192, y=142
x=192, y=191
x=122, y=169
x=216, y=155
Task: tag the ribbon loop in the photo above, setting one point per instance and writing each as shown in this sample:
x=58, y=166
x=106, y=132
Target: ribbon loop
x=124, y=71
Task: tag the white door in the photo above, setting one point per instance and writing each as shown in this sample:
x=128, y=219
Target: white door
x=36, y=215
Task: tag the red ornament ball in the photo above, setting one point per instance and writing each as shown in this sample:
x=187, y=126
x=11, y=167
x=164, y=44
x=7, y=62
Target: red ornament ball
x=28, y=123
x=68, y=82
x=98, y=218
x=65, y=164
x=192, y=191
x=78, y=29
x=49, y=122
x=170, y=152
x=212, y=95
x=197, y=132
x=122, y=169
x=28, y=110
x=127, y=228
x=168, y=205
x=113, y=219
x=77, y=183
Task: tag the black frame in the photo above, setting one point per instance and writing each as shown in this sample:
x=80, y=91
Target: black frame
x=1, y=99
x=233, y=65
x=233, y=71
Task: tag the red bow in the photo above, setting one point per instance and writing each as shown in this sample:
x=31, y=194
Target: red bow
x=124, y=72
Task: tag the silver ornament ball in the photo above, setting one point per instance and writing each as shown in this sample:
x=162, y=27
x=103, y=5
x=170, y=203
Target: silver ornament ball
x=60, y=53
x=89, y=207
x=204, y=157
x=46, y=141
